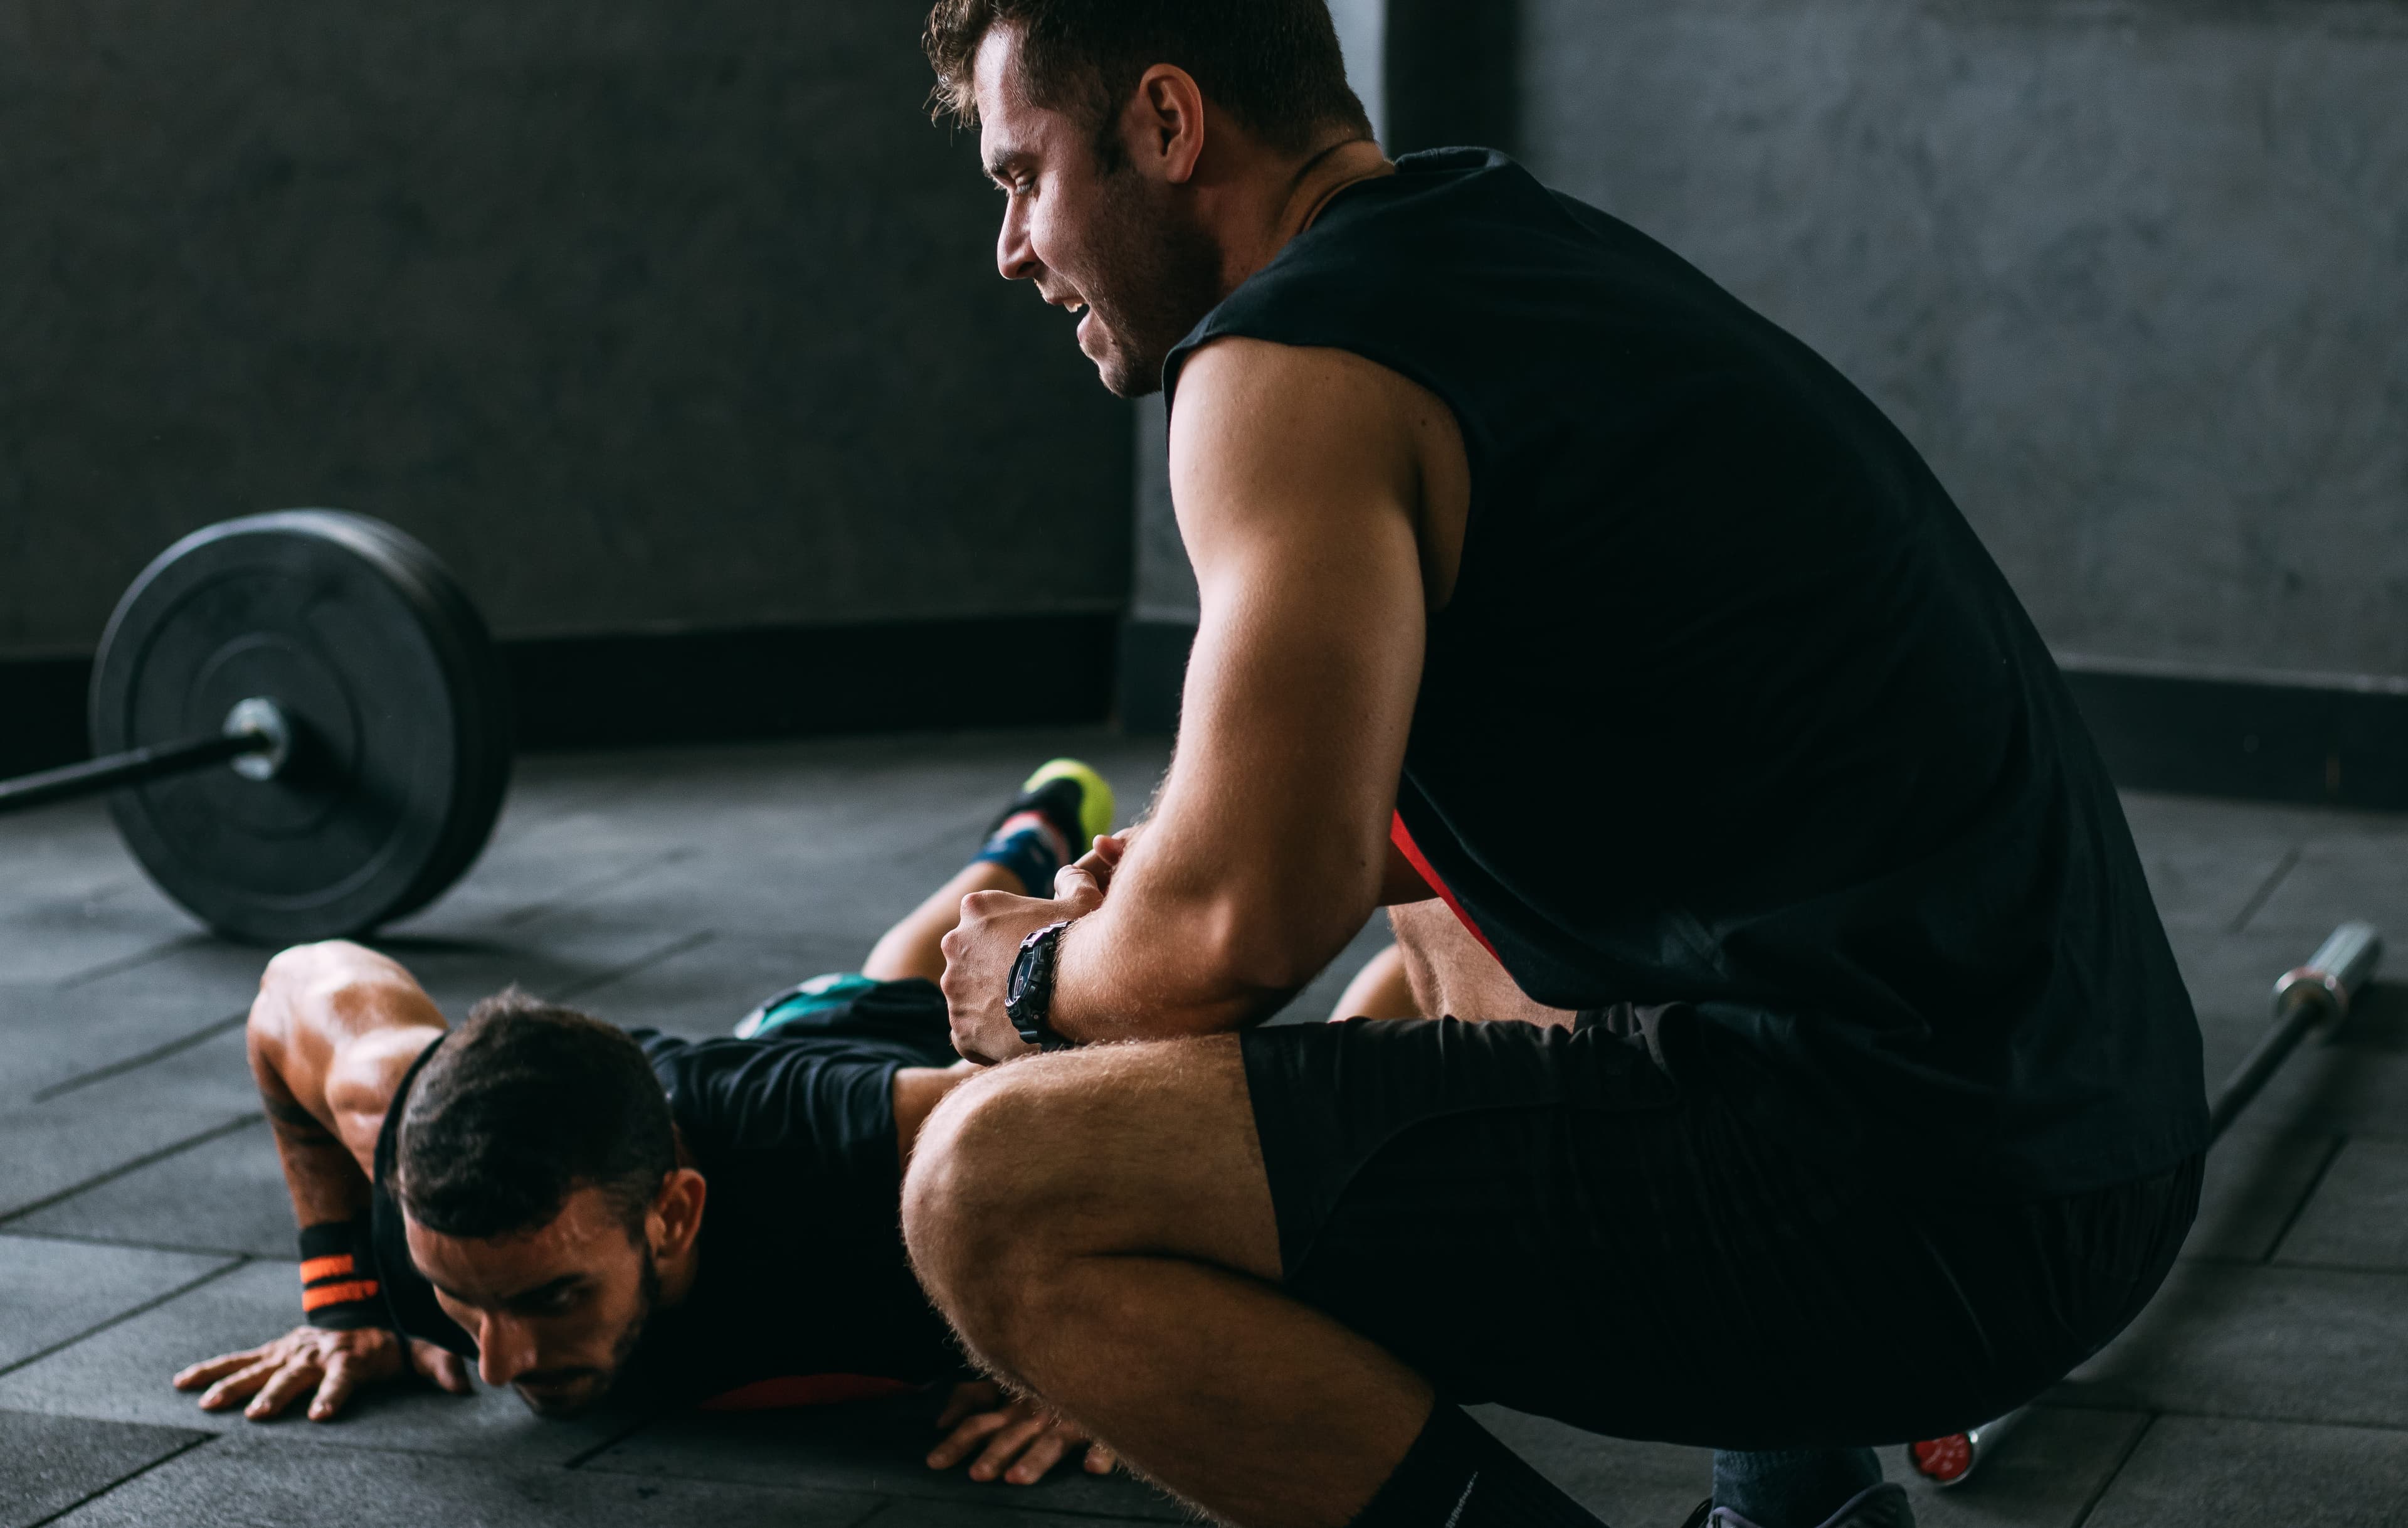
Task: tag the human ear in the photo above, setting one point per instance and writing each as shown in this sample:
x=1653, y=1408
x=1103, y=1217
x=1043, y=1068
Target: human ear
x=1165, y=123
x=676, y=1217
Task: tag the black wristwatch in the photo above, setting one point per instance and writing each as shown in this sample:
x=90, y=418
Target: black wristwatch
x=1030, y=995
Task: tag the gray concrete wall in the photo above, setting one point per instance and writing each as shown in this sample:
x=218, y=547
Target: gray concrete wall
x=644, y=314
x=2133, y=275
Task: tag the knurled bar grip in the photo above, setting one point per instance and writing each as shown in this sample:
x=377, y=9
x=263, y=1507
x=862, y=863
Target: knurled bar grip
x=130, y=768
x=2306, y=996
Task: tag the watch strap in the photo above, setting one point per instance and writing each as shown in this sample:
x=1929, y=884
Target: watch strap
x=1029, y=999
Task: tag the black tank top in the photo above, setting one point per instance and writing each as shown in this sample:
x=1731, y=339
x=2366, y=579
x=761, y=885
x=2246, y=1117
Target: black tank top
x=1731, y=708
x=802, y=1267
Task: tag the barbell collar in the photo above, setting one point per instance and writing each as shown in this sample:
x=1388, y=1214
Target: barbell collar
x=2333, y=975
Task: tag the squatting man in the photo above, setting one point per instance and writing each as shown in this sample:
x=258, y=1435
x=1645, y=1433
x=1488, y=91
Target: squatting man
x=1540, y=578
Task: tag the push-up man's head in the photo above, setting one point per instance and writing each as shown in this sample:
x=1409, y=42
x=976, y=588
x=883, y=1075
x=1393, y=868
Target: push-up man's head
x=536, y=1170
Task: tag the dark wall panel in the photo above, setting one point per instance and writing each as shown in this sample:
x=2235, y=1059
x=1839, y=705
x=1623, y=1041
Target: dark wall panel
x=2133, y=273
x=1452, y=74
x=645, y=315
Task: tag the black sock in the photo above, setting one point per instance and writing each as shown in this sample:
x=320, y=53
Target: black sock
x=1457, y=1475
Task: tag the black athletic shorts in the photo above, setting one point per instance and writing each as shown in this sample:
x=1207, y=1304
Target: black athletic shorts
x=1635, y=1227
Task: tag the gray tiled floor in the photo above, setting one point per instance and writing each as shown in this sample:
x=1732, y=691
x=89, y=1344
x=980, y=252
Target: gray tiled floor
x=142, y=1221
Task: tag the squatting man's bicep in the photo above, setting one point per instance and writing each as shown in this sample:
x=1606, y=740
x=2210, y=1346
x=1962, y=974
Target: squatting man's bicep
x=1298, y=478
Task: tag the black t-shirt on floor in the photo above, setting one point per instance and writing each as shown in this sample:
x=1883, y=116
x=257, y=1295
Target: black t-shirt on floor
x=801, y=1265
x=1729, y=707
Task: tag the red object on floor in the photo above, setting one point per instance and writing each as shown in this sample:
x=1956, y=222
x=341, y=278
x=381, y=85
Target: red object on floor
x=1945, y=1459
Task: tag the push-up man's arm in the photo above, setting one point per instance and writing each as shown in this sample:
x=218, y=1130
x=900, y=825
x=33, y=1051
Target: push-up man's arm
x=333, y=1031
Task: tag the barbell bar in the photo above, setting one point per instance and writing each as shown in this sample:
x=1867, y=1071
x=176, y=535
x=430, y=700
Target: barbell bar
x=2307, y=997
x=344, y=680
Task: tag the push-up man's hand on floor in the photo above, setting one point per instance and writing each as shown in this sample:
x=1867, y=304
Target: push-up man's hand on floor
x=326, y=1365
x=1014, y=1439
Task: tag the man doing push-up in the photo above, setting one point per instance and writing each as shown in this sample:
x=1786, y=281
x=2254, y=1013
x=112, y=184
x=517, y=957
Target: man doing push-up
x=574, y=1209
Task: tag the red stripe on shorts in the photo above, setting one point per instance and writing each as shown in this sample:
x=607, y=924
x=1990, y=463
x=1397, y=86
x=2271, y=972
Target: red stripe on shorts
x=1399, y=835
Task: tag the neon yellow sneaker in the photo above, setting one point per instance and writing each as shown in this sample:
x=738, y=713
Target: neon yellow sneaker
x=1073, y=797
x=1059, y=811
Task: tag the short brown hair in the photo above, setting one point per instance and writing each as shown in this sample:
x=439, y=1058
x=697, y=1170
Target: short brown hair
x=1273, y=64
x=524, y=1105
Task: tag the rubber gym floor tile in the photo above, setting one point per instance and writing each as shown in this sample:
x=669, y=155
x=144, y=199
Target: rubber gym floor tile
x=262, y=1480
x=878, y=1447
x=2212, y=882
x=2041, y=1476
x=59, y=852
x=69, y=876
x=226, y=1194
x=71, y=1141
x=50, y=1463
x=2158, y=818
x=516, y=884
x=53, y=1291
x=2358, y=1216
x=457, y=973
x=2364, y=875
x=120, y=1373
x=57, y=941
x=58, y=1037
x=766, y=892
x=2211, y=1473
x=704, y=990
x=2353, y=1088
x=2256, y=1182
x=2270, y=1342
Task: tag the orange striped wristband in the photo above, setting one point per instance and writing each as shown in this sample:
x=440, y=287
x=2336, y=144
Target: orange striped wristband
x=339, y=1289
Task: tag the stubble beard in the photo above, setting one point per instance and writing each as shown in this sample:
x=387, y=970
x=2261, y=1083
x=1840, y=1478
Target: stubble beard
x=1158, y=274
x=648, y=1296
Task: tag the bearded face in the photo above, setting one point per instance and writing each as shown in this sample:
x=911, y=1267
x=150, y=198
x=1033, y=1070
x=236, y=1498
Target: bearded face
x=1097, y=237
x=556, y=1312
x=1145, y=275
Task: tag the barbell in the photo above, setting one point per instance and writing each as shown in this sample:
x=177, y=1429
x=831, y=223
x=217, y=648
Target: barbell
x=304, y=724
x=2307, y=997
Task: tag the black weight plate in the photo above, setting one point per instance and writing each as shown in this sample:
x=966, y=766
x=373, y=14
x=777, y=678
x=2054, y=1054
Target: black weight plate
x=401, y=753
x=485, y=751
